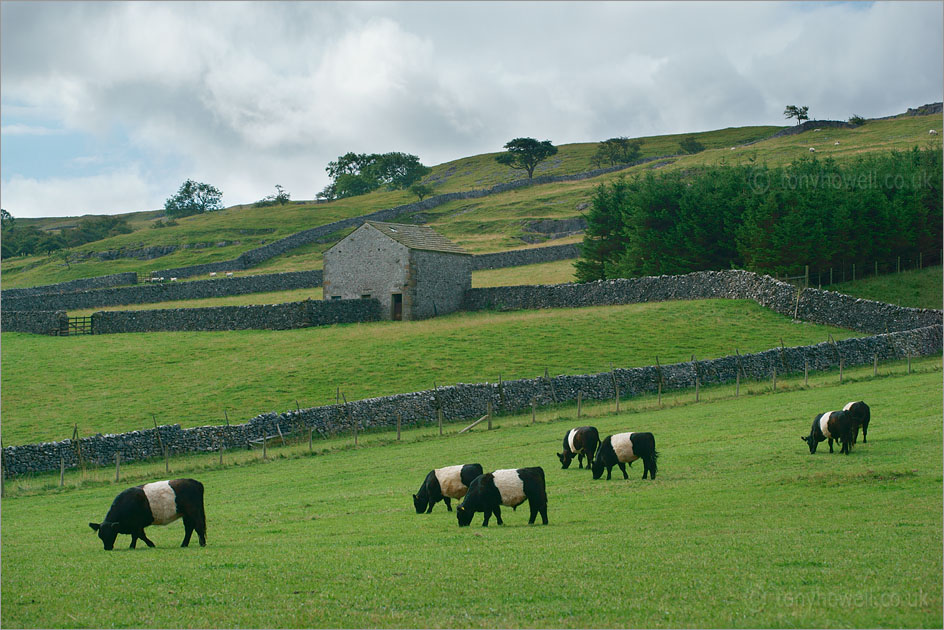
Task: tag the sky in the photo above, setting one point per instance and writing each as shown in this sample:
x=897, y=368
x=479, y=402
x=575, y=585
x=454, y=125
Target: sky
x=108, y=107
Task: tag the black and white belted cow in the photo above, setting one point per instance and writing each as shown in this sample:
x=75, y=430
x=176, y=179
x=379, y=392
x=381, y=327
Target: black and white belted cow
x=833, y=426
x=445, y=484
x=625, y=448
x=580, y=442
x=861, y=415
x=157, y=503
x=511, y=487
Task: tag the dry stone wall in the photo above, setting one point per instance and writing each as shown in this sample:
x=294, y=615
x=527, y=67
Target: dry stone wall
x=81, y=284
x=38, y=322
x=268, y=316
x=468, y=402
x=166, y=291
x=519, y=257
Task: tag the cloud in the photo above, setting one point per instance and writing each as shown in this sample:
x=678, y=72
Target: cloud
x=108, y=193
x=247, y=95
x=18, y=129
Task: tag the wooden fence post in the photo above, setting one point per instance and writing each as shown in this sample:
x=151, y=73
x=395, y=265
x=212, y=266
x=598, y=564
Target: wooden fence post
x=737, y=383
x=439, y=417
x=659, y=374
x=117, y=466
x=579, y=398
x=806, y=369
x=615, y=387
x=489, y=415
x=840, y=369
x=310, y=431
x=806, y=275
x=62, y=470
x=874, y=365
x=265, y=441
x=398, y=425
x=533, y=404
x=166, y=460
x=909, y=363
x=774, y=379
x=695, y=368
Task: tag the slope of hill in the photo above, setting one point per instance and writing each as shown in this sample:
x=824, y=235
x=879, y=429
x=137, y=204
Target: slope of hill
x=492, y=223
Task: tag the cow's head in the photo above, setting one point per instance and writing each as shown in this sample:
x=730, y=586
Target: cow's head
x=811, y=442
x=420, y=503
x=565, y=458
x=597, y=466
x=108, y=532
x=464, y=515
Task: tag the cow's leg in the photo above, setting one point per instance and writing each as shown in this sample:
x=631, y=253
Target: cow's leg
x=488, y=515
x=497, y=511
x=429, y=508
x=830, y=445
x=145, y=538
x=448, y=503
x=645, y=467
x=134, y=540
x=622, y=467
x=189, y=526
x=865, y=432
x=609, y=469
x=579, y=459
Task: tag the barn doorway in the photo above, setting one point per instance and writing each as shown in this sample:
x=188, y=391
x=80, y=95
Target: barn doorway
x=396, y=307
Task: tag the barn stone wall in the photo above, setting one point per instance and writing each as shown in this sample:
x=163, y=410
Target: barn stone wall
x=38, y=322
x=468, y=402
x=441, y=280
x=368, y=263
x=268, y=316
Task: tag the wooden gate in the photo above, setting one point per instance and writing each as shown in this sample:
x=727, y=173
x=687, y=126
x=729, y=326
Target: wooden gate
x=77, y=326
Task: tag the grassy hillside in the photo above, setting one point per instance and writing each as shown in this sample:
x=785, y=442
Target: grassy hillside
x=114, y=383
x=917, y=288
x=316, y=542
x=490, y=224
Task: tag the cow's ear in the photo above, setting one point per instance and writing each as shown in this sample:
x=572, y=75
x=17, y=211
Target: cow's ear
x=94, y=526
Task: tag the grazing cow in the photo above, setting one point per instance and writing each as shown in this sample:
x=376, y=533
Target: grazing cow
x=445, y=484
x=157, y=503
x=932, y=132
x=511, y=487
x=861, y=414
x=622, y=448
x=833, y=426
x=579, y=442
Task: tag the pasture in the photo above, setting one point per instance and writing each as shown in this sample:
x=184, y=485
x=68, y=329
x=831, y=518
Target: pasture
x=192, y=378
x=741, y=528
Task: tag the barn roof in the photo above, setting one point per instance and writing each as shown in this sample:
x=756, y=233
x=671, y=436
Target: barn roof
x=417, y=237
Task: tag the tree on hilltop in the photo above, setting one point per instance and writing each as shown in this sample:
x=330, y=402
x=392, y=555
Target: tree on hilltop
x=800, y=113
x=526, y=153
x=615, y=151
x=355, y=174
x=193, y=198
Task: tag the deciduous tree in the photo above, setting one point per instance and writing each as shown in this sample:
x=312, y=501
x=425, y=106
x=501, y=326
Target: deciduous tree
x=526, y=153
x=193, y=198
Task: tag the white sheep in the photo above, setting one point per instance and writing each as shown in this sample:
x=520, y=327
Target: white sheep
x=836, y=143
x=229, y=273
x=932, y=132
x=812, y=150
x=212, y=273
x=173, y=279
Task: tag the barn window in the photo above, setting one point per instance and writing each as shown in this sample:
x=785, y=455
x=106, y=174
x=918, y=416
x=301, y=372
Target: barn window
x=335, y=297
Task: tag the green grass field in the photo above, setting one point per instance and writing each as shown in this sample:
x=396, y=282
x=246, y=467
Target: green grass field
x=741, y=528
x=113, y=383
x=489, y=224
x=917, y=288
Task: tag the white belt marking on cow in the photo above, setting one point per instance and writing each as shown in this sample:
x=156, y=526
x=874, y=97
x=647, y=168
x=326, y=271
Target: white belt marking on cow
x=848, y=406
x=623, y=447
x=823, y=421
x=163, y=501
x=450, y=481
x=510, y=487
x=570, y=440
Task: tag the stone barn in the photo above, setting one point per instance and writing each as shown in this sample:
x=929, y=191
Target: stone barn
x=414, y=272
